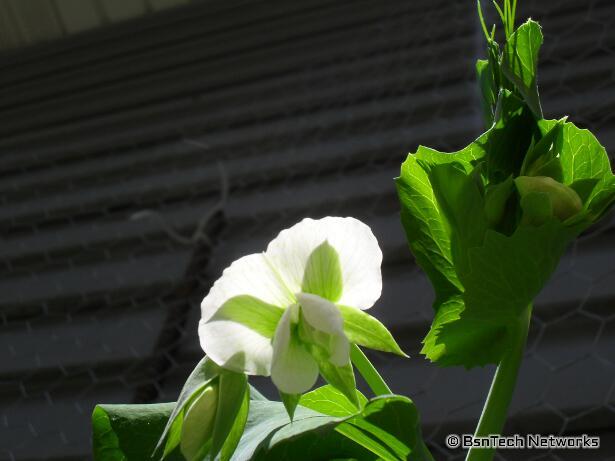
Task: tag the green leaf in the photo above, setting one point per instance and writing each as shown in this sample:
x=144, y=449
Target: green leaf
x=543, y=159
x=393, y=421
x=329, y=401
x=251, y=312
x=323, y=273
x=265, y=418
x=488, y=90
x=489, y=223
x=446, y=311
x=582, y=155
x=601, y=199
x=551, y=169
x=451, y=204
x=585, y=167
x=365, y=330
x=497, y=198
x=428, y=230
x=506, y=143
x=232, y=388
x=234, y=435
x=520, y=63
x=507, y=272
x=367, y=441
x=312, y=436
x=129, y=432
x=463, y=206
x=204, y=372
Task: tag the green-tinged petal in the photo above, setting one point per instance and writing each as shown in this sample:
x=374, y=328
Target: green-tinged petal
x=323, y=274
x=293, y=369
x=236, y=347
x=250, y=312
x=363, y=329
x=300, y=252
x=324, y=317
x=238, y=314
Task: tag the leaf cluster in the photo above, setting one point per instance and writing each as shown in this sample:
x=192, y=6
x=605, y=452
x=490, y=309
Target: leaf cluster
x=489, y=223
x=326, y=426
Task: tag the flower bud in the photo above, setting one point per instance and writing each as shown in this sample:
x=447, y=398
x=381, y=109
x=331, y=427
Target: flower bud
x=198, y=425
x=565, y=202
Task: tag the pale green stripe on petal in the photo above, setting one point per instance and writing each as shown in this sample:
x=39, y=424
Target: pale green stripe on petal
x=251, y=312
x=239, y=315
x=336, y=258
x=323, y=273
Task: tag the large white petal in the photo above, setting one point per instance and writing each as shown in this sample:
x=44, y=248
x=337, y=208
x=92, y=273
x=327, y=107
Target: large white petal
x=250, y=275
x=359, y=254
x=324, y=316
x=293, y=369
x=231, y=344
x=236, y=347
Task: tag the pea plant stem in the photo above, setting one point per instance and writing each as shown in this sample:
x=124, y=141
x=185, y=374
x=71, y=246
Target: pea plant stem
x=495, y=410
x=368, y=371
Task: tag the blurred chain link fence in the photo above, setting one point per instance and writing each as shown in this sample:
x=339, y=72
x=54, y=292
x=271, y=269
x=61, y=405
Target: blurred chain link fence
x=138, y=161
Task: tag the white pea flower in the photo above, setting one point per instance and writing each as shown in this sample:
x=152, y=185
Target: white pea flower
x=292, y=311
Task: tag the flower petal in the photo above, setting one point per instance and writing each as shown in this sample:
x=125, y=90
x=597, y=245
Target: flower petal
x=233, y=344
x=236, y=347
x=359, y=256
x=293, y=369
x=323, y=273
x=325, y=317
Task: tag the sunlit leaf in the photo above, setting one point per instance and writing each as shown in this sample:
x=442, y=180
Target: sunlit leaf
x=520, y=62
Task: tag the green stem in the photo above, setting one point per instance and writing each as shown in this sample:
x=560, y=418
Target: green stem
x=369, y=373
x=496, y=407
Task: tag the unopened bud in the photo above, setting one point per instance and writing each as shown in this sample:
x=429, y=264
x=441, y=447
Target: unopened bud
x=198, y=423
x=565, y=201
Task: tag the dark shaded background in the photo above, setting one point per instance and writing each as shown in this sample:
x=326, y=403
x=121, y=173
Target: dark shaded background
x=139, y=159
